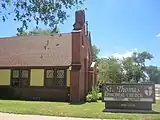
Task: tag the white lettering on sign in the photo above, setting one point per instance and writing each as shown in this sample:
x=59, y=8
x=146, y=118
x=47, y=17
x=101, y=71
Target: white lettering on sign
x=130, y=89
x=127, y=92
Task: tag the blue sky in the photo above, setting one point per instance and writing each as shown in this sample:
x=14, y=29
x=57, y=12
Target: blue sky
x=117, y=26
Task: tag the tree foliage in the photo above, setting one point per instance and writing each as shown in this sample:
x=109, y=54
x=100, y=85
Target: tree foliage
x=110, y=70
x=154, y=74
x=95, y=53
x=140, y=58
x=130, y=69
x=38, y=32
x=49, y=12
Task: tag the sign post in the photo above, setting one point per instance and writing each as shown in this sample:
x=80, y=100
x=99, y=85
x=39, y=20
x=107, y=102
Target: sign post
x=128, y=97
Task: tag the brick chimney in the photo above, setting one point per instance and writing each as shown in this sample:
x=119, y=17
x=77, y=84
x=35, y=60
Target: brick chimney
x=78, y=36
x=79, y=20
x=78, y=33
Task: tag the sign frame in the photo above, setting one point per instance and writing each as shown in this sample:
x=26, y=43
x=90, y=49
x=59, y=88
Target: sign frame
x=117, y=84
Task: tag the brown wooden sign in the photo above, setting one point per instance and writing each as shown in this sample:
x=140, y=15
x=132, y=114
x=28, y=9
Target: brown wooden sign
x=129, y=92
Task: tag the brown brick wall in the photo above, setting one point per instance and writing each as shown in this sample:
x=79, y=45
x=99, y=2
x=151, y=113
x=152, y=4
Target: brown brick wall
x=34, y=93
x=81, y=43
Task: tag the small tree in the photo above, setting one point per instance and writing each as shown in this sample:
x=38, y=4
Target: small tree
x=110, y=70
x=95, y=53
x=139, y=59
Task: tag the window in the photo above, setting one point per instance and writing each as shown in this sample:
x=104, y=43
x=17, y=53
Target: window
x=15, y=78
x=89, y=56
x=60, y=78
x=25, y=74
x=55, y=78
x=20, y=78
x=15, y=73
x=49, y=78
x=82, y=41
x=50, y=73
x=24, y=78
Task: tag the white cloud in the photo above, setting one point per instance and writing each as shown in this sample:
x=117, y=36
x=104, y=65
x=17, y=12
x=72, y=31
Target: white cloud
x=125, y=54
x=158, y=35
x=119, y=55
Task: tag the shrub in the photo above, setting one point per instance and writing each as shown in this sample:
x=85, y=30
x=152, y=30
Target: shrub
x=93, y=95
x=99, y=96
x=100, y=83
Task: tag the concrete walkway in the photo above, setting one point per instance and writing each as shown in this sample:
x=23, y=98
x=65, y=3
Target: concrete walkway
x=7, y=116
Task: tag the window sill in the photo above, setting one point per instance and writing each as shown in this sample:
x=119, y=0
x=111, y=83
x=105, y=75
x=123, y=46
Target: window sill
x=56, y=87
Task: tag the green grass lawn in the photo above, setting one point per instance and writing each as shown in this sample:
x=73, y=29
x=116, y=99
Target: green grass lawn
x=87, y=110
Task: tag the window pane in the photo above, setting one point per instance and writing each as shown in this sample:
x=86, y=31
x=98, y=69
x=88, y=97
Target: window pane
x=24, y=73
x=60, y=73
x=59, y=82
x=49, y=73
x=24, y=83
x=49, y=82
x=15, y=82
x=15, y=74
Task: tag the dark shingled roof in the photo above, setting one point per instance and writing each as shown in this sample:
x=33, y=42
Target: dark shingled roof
x=42, y=50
